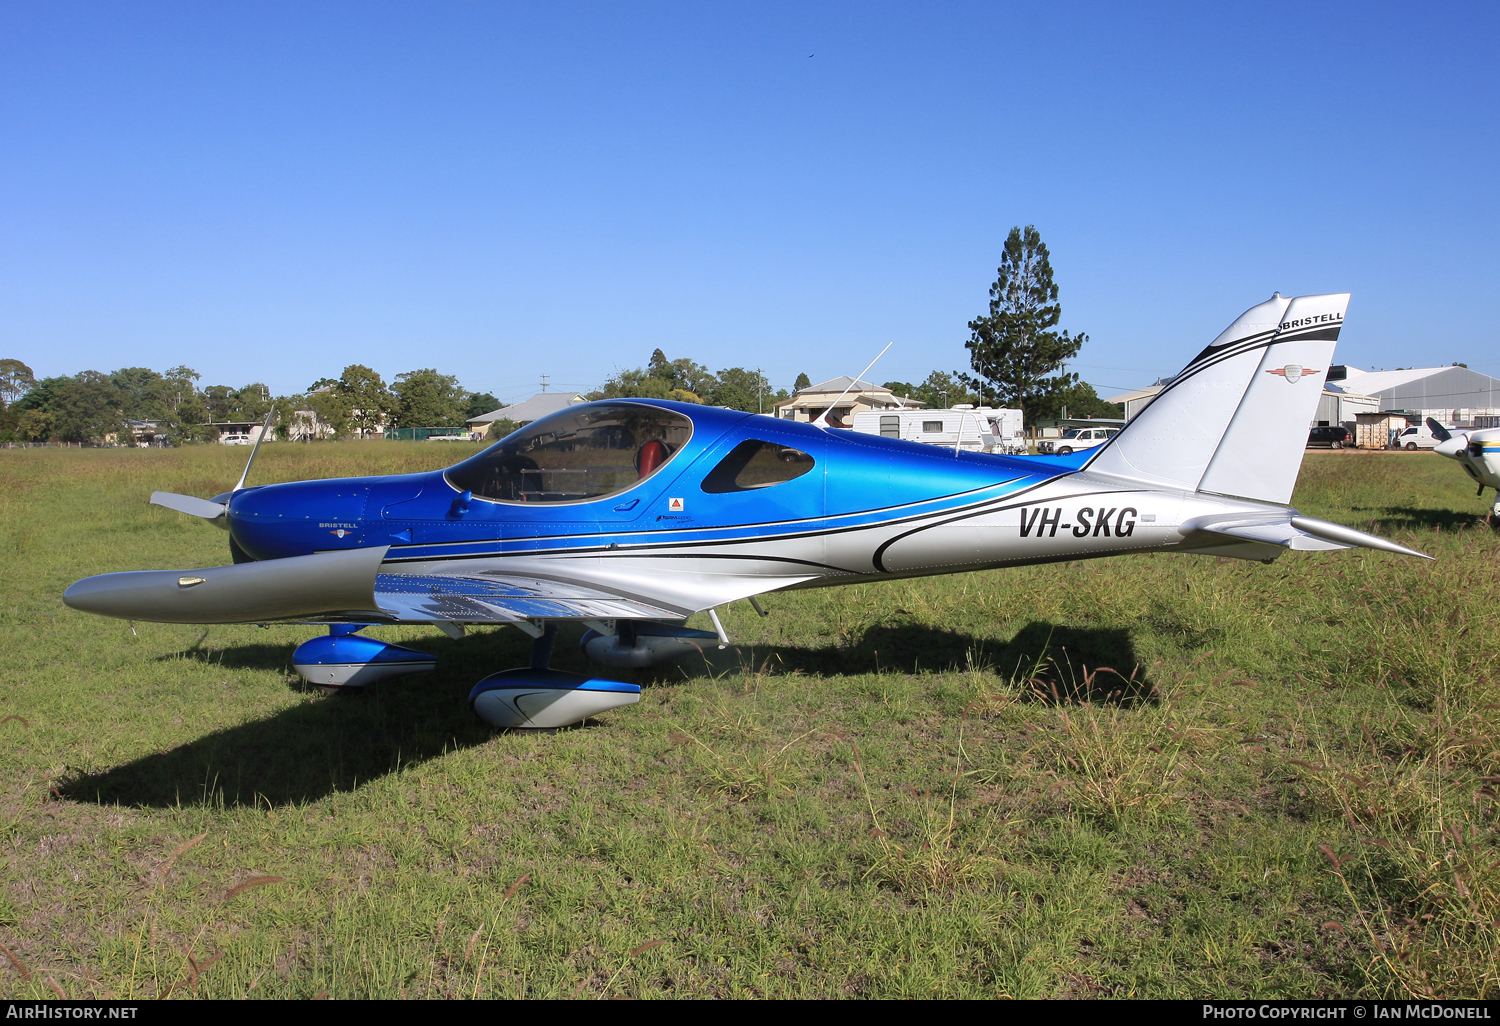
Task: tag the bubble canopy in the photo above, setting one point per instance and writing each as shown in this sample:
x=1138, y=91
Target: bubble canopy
x=575, y=455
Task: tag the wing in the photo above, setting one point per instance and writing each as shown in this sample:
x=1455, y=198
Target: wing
x=357, y=585
x=500, y=597
x=635, y=586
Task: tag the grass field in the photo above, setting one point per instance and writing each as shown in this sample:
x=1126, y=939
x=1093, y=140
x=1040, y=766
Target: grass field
x=1165, y=776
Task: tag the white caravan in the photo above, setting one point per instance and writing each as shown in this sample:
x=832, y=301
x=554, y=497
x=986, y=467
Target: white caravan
x=981, y=429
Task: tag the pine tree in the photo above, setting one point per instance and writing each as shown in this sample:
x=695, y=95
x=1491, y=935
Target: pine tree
x=1015, y=349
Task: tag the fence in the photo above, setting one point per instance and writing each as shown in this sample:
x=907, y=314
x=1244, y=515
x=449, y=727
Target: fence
x=422, y=434
x=59, y=445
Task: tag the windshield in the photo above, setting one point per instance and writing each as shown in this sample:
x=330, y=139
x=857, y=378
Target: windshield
x=1070, y=433
x=586, y=452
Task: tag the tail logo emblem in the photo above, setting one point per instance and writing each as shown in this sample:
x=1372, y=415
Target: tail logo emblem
x=1293, y=372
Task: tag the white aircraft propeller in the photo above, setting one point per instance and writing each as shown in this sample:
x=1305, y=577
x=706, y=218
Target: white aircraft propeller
x=213, y=510
x=190, y=504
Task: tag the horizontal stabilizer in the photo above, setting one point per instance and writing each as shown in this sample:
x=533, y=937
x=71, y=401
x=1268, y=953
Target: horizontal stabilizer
x=189, y=504
x=1269, y=528
x=1291, y=531
x=1349, y=536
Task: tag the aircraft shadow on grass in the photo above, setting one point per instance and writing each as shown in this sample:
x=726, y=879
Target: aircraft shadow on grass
x=1046, y=661
x=333, y=744
x=1410, y=518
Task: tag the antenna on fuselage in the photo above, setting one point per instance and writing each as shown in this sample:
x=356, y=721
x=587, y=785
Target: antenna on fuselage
x=270, y=419
x=822, y=419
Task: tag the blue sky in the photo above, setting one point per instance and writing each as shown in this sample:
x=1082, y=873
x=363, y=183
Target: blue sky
x=271, y=191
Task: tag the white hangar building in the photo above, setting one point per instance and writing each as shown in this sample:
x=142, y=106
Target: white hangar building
x=1452, y=395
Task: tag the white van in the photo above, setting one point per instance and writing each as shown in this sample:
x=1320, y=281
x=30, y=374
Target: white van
x=1415, y=437
x=965, y=427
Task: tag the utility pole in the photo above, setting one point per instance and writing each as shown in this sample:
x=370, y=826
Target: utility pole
x=760, y=391
x=544, y=381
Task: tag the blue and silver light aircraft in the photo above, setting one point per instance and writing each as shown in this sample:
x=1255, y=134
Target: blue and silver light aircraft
x=630, y=515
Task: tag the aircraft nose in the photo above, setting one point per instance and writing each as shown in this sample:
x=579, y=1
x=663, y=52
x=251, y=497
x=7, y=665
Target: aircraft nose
x=1452, y=447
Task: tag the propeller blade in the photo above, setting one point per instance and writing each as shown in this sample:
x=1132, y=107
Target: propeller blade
x=270, y=419
x=190, y=504
x=1439, y=432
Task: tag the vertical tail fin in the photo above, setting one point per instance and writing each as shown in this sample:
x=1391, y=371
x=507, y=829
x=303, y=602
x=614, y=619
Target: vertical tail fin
x=1235, y=420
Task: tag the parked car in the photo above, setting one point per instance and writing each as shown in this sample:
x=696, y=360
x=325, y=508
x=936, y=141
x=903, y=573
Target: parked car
x=1335, y=437
x=1076, y=439
x=234, y=439
x=1414, y=438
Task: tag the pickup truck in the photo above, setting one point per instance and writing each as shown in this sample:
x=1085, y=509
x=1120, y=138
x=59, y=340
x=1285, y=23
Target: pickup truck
x=1076, y=439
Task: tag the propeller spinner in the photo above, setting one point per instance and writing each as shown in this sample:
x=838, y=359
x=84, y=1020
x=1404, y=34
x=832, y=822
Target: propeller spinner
x=1450, y=444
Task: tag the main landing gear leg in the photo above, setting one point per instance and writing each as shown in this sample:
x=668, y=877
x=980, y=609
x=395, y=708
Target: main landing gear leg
x=539, y=697
x=541, y=648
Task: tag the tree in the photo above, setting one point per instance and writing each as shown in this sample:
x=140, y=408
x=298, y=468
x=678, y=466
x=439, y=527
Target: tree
x=500, y=428
x=365, y=397
x=221, y=401
x=688, y=376
x=1079, y=399
x=661, y=378
x=328, y=407
x=16, y=379
x=187, y=404
x=34, y=425
x=741, y=389
x=83, y=408
x=253, y=402
x=657, y=366
x=142, y=393
x=803, y=381
x=633, y=384
x=1015, y=349
x=426, y=398
x=940, y=390
x=480, y=403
